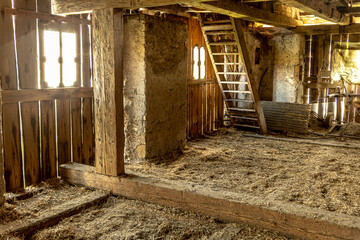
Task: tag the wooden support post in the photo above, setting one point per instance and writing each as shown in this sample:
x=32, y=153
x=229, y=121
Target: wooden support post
x=108, y=91
x=249, y=69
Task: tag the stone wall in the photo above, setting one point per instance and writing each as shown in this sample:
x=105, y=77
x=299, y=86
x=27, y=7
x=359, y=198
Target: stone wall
x=134, y=87
x=155, y=69
x=289, y=57
x=166, y=74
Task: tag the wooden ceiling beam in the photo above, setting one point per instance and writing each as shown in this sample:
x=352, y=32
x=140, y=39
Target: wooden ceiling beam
x=327, y=29
x=79, y=6
x=237, y=10
x=321, y=9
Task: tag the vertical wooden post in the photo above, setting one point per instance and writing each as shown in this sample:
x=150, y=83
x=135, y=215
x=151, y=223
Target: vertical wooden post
x=108, y=91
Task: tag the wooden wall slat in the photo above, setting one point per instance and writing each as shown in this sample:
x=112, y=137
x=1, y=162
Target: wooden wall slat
x=48, y=144
x=26, y=42
x=11, y=122
x=76, y=130
x=63, y=131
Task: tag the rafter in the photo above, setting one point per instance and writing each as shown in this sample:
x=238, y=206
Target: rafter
x=246, y=12
x=321, y=9
x=76, y=6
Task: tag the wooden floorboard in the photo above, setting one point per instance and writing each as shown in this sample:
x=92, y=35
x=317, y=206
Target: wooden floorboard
x=290, y=219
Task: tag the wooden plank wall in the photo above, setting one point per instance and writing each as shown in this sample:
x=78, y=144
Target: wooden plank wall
x=205, y=103
x=43, y=127
x=318, y=86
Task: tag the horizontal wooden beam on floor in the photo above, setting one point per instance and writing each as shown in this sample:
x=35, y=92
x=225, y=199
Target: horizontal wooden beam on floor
x=31, y=95
x=290, y=219
x=52, y=216
x=315, y=141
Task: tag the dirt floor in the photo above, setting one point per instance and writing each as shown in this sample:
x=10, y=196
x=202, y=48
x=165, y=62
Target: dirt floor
x=316, y=176
x=120, y=218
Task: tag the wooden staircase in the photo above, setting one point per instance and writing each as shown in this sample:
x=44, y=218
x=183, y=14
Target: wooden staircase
x=226, y=45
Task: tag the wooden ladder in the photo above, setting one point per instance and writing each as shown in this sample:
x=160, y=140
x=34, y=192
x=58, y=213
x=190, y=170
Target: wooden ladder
x=225, y=41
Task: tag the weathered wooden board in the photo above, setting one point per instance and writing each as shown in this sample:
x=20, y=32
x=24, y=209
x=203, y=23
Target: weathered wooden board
x=52, y=216
x=63, y=131
x=289, y=117
x=26, y=43
x=10, y=112
x=290, y=219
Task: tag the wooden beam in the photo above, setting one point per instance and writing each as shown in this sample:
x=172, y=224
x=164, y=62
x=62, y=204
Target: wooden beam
x=108, y=30
x=246, y=12
x=321, y=9
x=287, y=218
x=29, y=95
x=306, y=141
x=46, y=16
x=240, y=34
x=50, y=218
x=76, y=6
x=327, y=29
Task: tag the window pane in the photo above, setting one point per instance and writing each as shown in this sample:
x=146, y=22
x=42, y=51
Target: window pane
x=52, y=54
x=202, y=62
x=196, y=70
x=69, y=58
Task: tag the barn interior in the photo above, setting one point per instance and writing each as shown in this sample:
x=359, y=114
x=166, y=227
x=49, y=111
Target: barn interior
x=191, y=119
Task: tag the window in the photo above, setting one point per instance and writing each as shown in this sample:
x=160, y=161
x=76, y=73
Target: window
x=59, y=63
x=199, y=63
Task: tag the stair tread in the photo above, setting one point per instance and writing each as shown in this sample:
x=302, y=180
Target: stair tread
x=217, y=27
x=240, y=100
x=222, y=43
x=232, y=73
x=245, y=118
x=217, y=21
x=246, y=126
x=236, y=91
x=241, y=109
x=233, y=82
x=220, y=54
x=220, y=33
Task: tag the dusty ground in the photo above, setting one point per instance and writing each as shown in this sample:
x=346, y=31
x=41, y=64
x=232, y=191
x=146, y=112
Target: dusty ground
x=46, y=195
x=119, y=218
x=316, y=176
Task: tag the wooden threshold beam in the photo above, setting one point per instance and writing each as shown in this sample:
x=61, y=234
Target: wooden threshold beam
x=50, y=218
x=31, y=95
x=246, y=12
x=78, y=6
x=295, y=220
x=46, y=16
x=321, y=9
x=327, y=29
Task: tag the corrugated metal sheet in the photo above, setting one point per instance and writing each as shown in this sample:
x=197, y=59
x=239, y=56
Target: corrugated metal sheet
x=290, y=117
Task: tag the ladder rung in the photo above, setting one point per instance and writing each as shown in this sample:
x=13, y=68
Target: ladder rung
x=245, y=126
x=244, y=118
x=222, y=43
x=222, y=54
x=241, y=109
x=220, y=33
x=240, y=100
x=231, y=73
x=227, y=63
x=217, y=21
x=233, y=82
x=236, y=91
x=217, y=27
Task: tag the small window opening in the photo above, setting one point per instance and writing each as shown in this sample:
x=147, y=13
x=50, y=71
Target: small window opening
x=202, y=63
x=196, y=67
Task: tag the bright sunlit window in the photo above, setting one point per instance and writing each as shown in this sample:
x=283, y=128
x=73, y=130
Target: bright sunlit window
x=52, y=54
x=196, y=67
x=202, y=62
x=53, y=66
